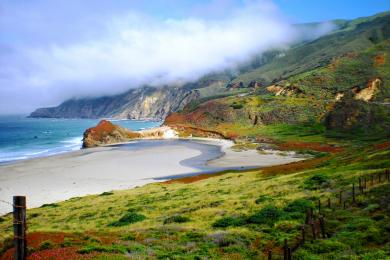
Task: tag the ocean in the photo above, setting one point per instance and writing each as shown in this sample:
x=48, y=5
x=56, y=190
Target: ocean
x=25, y=138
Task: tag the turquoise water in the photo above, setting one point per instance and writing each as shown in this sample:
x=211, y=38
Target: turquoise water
x=24, y=138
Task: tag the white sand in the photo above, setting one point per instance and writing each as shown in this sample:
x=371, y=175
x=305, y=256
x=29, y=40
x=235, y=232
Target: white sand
x=251, y=158
x=93, y=171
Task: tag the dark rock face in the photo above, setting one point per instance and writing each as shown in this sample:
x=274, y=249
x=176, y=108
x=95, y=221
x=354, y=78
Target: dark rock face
x=140, y=103
x=357, y=116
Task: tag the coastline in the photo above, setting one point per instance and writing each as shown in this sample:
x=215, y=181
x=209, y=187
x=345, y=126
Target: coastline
x=118, y=167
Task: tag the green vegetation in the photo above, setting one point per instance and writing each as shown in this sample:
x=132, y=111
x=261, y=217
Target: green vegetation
x=231, y=214
x=176, y=219
x=243, y=214
x=129, y=218
x=355, y=36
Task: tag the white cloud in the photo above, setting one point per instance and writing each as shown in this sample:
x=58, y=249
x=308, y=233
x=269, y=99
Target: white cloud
x=130, y=49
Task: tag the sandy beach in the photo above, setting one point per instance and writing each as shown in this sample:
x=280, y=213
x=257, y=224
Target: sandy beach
x=93, y=171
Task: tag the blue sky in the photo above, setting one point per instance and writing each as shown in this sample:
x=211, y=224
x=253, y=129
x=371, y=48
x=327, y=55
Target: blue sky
x=297, y=10
x=53, y=50
x=322, y=10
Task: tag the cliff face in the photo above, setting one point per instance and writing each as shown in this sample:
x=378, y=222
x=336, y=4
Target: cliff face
x=106, y=133
x=140, y=103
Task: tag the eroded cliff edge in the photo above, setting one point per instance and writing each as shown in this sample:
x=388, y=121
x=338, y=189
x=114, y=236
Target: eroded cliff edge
x=139, y=103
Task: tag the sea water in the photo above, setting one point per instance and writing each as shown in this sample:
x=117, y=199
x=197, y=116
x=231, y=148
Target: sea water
x=24, y=138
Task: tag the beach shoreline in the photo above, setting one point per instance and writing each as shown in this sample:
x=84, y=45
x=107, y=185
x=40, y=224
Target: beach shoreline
x=121, y=166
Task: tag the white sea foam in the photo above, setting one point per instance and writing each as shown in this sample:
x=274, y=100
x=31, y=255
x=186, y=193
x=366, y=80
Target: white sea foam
x=71, y=144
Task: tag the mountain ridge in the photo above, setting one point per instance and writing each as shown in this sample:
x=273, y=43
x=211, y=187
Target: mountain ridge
x=272, y=67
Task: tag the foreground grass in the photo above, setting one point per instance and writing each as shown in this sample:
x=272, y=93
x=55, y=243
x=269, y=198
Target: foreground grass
x=225, y=216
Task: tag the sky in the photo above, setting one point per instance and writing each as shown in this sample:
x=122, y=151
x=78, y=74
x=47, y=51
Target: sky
x=52, y=50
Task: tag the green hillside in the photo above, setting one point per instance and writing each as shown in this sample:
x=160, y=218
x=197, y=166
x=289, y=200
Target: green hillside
x=354, y=36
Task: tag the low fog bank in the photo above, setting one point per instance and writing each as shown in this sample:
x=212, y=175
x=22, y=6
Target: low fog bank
x=108, y=53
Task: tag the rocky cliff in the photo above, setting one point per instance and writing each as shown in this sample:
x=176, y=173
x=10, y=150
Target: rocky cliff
x=106, y=133
x=139, y=103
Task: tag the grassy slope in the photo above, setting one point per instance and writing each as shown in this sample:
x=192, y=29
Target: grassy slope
x=200, y=204
x=355, y=36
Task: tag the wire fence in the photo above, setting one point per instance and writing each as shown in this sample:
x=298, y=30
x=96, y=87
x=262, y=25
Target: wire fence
x=314, y=226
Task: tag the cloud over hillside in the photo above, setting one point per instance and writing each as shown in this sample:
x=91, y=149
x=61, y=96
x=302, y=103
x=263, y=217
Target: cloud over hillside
x=74, y=51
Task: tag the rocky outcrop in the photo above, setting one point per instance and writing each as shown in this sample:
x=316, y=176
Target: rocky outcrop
x=106, y=133
x=254, y=84
x=284, y=91
x=358, y=116
x=140, y=103
x=368, y=93
x=235, y=85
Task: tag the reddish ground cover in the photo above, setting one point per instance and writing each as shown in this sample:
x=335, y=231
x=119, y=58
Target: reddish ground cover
x=381, y=146
x=192, y=179
x=310, y=146
x=103, y=128
x=67, y=253
x=379, y=60
x=35, y=239
x=293, y=167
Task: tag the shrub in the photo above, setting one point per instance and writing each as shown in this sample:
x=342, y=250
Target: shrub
x=236, y=106
x=8, y=243
x=106, y=193
x=229, y=222
x=316, y=181
x=103, y=249
x=224, y=239
x=375, y=254
x=193, y=236
x=263, y=198
x=327, y=246
x=267, y=215
x=287, y=225
x=372, y=207
x=129, y=218
x=176, y=219
x=128, y=237
x=46, y=245
x=298, y=205
x=52, y=205
x=67, y=242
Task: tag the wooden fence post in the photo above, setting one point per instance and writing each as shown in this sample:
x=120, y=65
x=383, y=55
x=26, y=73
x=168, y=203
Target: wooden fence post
x=322, y=226
x=319, y=206
x=303, y=234
x=341, y=198
x=19, y=214
x=285, y=247
x=307, y=216
x=313, y=230
x=269, y=254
